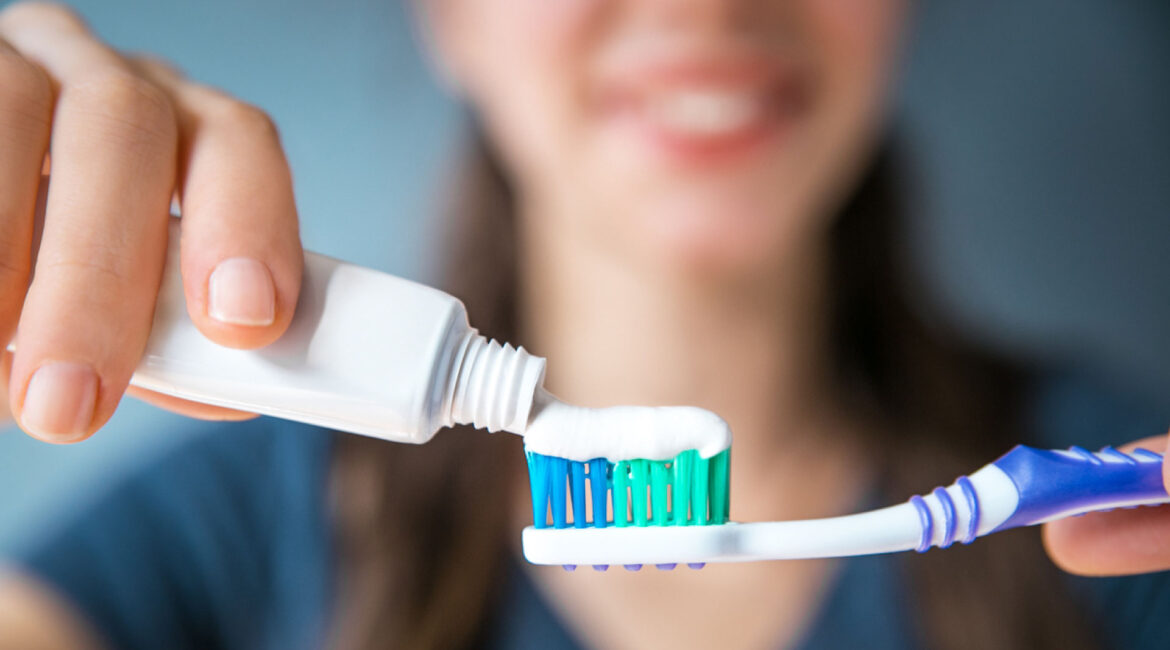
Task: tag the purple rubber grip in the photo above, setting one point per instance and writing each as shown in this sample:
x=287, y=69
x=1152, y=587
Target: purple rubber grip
x=1051, y=482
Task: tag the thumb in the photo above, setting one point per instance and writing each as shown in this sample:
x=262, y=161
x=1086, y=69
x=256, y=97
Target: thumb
x=5, y=371
x=1165, y=447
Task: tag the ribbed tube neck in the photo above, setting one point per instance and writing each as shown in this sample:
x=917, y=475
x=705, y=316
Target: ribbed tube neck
x=493, y=385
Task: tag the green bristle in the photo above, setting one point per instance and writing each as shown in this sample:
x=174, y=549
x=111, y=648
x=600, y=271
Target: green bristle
x=687, y=490
x=683, y=469
x=639, y=482
x=659, y=491
x=621, y=492
x=699, y=495
x=720, y=478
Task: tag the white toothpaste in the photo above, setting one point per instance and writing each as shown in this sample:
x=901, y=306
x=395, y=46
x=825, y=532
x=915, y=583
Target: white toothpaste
x=622, y=432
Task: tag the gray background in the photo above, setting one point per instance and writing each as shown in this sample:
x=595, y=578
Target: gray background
x=1040, y=132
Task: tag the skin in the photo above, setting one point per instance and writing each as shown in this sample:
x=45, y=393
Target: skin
x=654, y=272
x=119, y=123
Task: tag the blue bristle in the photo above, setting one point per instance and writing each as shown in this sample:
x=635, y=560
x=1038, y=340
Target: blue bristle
x=599, y=482
x=538, y=476
x=558, y=469
x=577, y=489
x=633, y=567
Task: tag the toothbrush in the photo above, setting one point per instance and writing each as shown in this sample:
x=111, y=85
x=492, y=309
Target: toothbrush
x=1024, y=487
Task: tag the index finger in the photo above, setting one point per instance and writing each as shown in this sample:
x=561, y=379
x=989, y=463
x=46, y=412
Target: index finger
x=240, y=242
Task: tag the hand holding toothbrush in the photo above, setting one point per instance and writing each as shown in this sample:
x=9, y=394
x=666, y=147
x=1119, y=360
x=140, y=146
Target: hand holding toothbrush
x=1119, y=542
x=127, y=134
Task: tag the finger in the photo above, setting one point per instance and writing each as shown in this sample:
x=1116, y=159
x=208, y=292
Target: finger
x=188, y=408
x=5, y=369
x=241, y=251
x=87, y=312
x=1165, y=447
x=26, y=108
x=1120, y=542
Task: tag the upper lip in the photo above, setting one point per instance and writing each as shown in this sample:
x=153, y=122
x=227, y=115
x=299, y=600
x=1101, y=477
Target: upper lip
x=740, y=72
x=770, y=80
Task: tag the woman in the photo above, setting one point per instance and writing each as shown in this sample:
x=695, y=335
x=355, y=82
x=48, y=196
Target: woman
x=676, y=202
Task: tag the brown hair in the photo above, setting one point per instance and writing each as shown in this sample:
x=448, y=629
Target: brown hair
x=421, y=530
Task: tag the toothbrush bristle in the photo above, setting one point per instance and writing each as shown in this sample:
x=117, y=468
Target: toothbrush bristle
x=686, y=490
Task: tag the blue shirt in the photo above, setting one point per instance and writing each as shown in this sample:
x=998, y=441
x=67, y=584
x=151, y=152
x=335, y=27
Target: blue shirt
x=225, y=542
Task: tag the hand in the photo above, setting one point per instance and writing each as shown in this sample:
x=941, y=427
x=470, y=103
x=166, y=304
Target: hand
x=121, y=136
x=1119, y=542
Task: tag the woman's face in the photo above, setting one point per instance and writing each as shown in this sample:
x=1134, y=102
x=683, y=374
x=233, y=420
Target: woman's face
x=709, y=133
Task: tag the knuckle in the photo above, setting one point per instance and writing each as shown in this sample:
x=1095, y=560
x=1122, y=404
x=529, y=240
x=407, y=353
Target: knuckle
x=93, y=272
x=129, y=101
x=156, y=65
x=246, y=118
x=38, y=12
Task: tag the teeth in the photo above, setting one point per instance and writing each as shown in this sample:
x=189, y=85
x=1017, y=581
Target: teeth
x=704, y=112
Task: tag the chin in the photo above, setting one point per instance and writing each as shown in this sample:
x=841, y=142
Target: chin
x=716, y=244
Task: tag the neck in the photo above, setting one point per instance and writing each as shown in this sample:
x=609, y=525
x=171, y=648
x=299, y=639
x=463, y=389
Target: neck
x=751, y=348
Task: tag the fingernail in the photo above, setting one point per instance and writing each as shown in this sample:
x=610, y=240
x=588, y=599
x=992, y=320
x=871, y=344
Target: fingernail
x=240, y=292
x=59, y=401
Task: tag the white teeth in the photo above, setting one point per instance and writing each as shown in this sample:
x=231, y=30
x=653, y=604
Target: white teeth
x=704, y=112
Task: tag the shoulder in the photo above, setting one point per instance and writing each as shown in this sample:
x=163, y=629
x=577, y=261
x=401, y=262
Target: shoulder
x=261, y=455
x=246, y=475
x=227, y=533
x=213, y=470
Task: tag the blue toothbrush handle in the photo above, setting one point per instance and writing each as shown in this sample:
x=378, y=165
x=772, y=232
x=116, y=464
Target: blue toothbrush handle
x=1058, y=483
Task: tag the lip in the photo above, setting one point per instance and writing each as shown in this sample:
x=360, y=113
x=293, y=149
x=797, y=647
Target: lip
x=703, y=111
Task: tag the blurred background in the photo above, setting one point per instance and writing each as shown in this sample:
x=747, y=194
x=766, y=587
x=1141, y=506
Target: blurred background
x=1039, y=134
